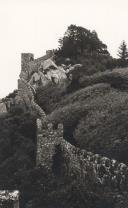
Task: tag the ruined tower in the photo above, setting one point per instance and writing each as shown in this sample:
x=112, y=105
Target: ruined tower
x=25, y=59
x=48, y=140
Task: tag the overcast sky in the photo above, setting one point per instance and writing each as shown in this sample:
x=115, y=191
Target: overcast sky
x=36, y=25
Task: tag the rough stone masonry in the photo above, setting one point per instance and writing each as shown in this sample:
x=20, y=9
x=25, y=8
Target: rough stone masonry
x=9, y=199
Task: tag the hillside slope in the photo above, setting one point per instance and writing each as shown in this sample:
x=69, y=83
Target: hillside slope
x=95, y=116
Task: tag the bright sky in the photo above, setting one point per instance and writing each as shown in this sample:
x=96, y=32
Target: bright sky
x=36, y=25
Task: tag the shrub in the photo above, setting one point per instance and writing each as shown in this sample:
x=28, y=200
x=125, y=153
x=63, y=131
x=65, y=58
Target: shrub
x=47, y=97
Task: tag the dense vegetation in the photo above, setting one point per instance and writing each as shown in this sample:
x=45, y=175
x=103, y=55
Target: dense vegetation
x=78, y=40
x=18, y=170
x=123, y=54
x=94, y=110
x=84, y=46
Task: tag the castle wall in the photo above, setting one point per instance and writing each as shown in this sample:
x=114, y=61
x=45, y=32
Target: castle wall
x=24, y=94
x=49, y=54
x=27, y=97
x=47, y=139
x=84, y=166
x=25, y=59
x=9, y=199
x=30, y=65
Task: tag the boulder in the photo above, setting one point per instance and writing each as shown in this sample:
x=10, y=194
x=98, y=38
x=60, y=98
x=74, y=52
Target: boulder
x=48, y=64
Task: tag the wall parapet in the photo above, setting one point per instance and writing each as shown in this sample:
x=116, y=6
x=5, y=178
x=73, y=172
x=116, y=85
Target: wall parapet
x=84, y=166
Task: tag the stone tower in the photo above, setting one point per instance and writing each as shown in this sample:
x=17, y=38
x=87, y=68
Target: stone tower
x=25, y=59
x=48, y=139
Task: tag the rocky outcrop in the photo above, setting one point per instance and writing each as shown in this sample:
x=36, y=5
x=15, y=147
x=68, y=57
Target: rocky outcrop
x=36, y=73
x=42, y=71
x=26, y=93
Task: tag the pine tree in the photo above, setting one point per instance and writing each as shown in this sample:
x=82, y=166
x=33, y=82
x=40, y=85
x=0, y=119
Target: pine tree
x=123, y=54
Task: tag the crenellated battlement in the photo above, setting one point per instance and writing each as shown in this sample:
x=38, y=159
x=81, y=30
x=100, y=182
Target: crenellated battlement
x=25, y=69
x=47, y=139
x=30, y=65
x=84, y=166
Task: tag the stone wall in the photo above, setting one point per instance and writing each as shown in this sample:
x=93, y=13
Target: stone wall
x=49, y=54
x=47, y=139
x=25, y=69
x=30, y=65
x=9, y=199
x=26, y=94
x=84, y=166
x=100, y=171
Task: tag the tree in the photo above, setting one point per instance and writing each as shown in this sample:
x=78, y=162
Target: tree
x=123, y=54
x=78, y=41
